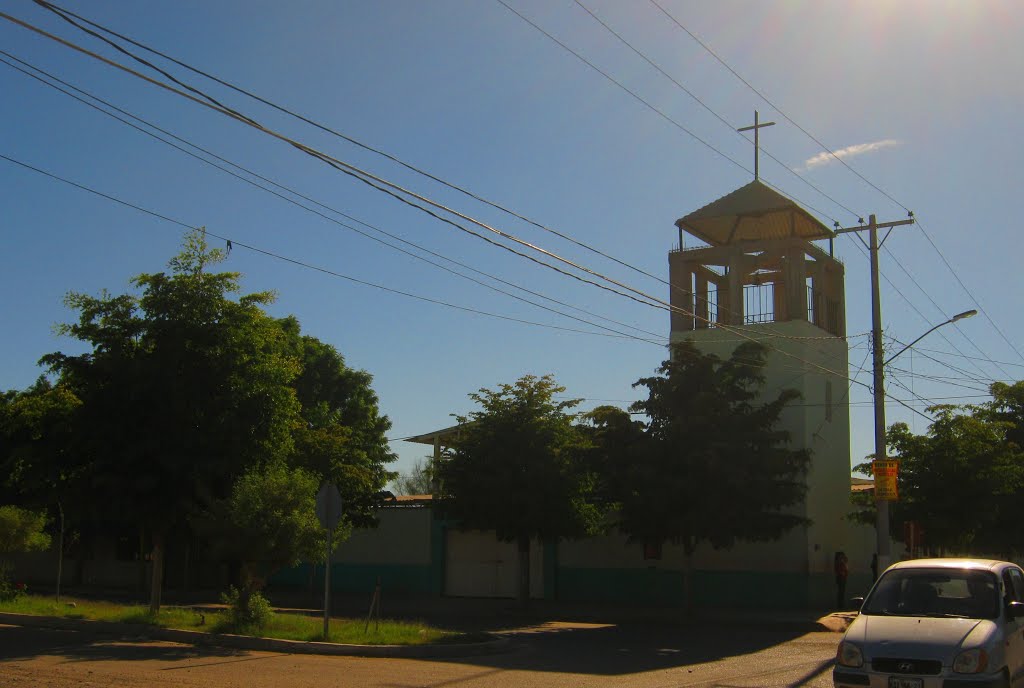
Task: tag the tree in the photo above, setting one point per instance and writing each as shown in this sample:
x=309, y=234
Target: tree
x=37, y=455
x=963, y=480
x=183, y=389
x=714, y=467
x=269, y=522
x=418, y=481
x=342, y=434
x=22, y=530
x=517, y=470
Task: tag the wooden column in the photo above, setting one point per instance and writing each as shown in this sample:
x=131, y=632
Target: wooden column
x=737, y=276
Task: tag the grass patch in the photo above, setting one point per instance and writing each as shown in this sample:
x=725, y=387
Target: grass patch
x=283, y=626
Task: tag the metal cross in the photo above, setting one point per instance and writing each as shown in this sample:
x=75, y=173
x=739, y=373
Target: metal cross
x=757, y=144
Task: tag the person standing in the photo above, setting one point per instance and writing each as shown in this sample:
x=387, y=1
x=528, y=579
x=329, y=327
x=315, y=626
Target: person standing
x=842, y=570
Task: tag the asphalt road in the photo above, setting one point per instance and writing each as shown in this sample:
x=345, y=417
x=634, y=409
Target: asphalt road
x=580, y=655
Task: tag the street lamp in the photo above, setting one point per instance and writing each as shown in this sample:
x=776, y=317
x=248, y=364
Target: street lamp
x=959, y=316
x=882, y=505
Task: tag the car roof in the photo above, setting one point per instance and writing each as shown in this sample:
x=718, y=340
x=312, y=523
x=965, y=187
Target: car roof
x=953, y=563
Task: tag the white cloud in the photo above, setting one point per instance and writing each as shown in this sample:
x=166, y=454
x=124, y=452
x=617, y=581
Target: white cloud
x=849, y=152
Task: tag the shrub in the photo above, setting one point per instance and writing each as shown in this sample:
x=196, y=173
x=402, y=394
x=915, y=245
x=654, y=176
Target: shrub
x=246, y=611
x=9, y=590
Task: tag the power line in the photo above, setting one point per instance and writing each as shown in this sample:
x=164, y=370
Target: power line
x=910, y=303
x=334, y=163
x=776, y=107
x=854, y=171
x=944, y=315
x=316, y=212
x=394, y=190
x=455, y=187
x=970, y=294
x=708, y=108
x=235, y=243
x=356, y=173
x=648, y=105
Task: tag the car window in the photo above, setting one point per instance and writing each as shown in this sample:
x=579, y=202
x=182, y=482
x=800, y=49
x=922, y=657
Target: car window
x=1009, y=593
x=1018, y=584
x=937, y=592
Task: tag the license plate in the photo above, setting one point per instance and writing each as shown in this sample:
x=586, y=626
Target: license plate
x=901, y=682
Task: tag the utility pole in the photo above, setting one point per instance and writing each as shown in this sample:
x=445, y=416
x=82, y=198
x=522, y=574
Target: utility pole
x=878, y=386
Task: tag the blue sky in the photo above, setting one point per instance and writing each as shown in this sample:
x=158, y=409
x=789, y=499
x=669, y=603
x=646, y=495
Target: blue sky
x=923, y=98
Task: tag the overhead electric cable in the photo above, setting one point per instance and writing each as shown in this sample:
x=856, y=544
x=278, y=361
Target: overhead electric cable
x=945, y=315
x=377, y=151
x=352, y=171
x=850, y=168
x=235, y=243
x=910, y=303
x=381, y=184
x=700, y=102
x=776, y=107
x=923, y=353
x=970, y=294
x=329, y=160
x=316, y=212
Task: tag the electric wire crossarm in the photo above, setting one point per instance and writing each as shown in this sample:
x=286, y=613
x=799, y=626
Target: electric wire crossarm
x=388, y=289
x=867, y=181
x=331, y=162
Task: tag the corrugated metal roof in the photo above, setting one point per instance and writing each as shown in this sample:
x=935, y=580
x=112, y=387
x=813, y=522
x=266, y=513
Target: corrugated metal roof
x=750, y=213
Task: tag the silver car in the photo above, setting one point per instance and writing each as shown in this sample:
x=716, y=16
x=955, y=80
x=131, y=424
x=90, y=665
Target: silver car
x=937, y=623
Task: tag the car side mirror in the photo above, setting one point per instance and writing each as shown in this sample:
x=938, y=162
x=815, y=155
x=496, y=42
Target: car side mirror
x=1015, y=610
x=857, y=602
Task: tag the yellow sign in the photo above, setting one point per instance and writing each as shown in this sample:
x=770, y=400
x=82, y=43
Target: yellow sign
x=885, y=473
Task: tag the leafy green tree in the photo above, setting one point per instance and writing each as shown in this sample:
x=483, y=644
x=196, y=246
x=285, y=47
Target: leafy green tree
x=342, y=436
x=38, y=462
x=963, y=480
x=517, y=469
x=418, y=481
x=22, y=530
x=183, y=388
x=714, y=467
x=269, y=522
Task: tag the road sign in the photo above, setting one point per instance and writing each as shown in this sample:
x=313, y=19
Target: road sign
x=886, y=474
x=328, y=505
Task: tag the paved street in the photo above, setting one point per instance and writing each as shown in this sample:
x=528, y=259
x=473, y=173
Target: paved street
x=582, y=655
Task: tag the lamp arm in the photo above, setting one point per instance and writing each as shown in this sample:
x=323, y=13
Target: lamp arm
x=889, y=360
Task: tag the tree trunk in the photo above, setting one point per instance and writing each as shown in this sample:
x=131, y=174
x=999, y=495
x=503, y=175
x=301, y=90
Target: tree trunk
x=523, y=542
x=157, y=580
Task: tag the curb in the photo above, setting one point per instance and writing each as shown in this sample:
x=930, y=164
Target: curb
x=245, y=642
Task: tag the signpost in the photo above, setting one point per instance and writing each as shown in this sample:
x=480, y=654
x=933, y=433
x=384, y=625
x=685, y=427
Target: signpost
x=886, y=473
x=328, y=510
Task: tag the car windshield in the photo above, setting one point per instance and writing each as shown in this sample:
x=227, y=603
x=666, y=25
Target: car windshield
x=961, y=593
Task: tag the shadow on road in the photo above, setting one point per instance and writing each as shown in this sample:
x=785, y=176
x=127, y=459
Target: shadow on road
x=21, y=643
x=613, y=650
